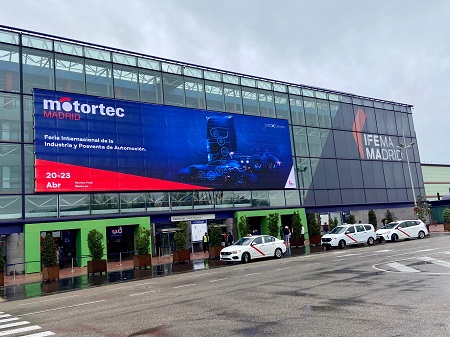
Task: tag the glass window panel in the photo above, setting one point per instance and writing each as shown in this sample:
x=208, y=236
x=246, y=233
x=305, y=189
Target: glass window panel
x=308, y=92
x=28, y=110
x=37, y=70
x=356, y=173
x=97, y=54
x=37, y=42
x=345, y=179
x=248, y=82
x=223, y=199
x=403, y=108
x=250, y=101
x=99, y=78
x=157, y=201
x=311, y=116
x=104, y=203
x=171, y=68
x=73, y=204
x=388, y=106
x=381, y=121
x=304, y=174
x=203, y=199
x=327, y=144
x=334, y=107
x=279, y=87
x=411, y=126
x=321, y=95
x=9, y=37
x=390, y=123
x=348, y=117
x=173, y=86
x=319, y=173
x=292, y=198
x=321, y=197
x=295, y=90
x=193, y=72
x=264, y=85
x=230, y=79
x=282, y=106
x=233, y=101
x=195, y=93
x=399, y=175
x=345, y=99
x=41, y=206
x=368, y=174
x=266, y=104
x=9, y=68
x=149, y=64
x=357, y=101
x=127, y=60
x=340, y=144
x=214, y=96
x=181, y=200
x=10, y=168
x=300, y=141
x=323, y=110
x=9, y=117
x=132, y=202
x=389, y=175
x=126, y=83
x=11, y=207
x=29, y=168
x=260, y=198
x=68, y=48
x=331, y=173
x=371, y=123
x=368, y=103
x=150, y=86
x=333, y=97
x=297, y=112
x=276, y=198
x=70, y=74
x=378, y=174
x=242, y=198
x=314, y=141
x=212, y=75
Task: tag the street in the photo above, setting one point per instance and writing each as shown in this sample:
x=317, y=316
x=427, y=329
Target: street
x=390, y=289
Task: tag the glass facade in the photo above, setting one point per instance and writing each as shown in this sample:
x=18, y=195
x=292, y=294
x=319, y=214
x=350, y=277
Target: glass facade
x=344, y=147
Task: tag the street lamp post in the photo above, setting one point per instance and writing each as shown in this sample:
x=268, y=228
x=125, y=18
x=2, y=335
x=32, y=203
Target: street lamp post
x=405, y=147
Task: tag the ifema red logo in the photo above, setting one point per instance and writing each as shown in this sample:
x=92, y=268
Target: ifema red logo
x=358, y=125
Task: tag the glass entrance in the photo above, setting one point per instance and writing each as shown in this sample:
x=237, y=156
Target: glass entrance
x=164, y=244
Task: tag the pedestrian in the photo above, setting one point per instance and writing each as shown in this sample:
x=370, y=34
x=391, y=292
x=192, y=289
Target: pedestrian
x=230, y=239
x=60, y=257
x=383, y=221
x=326, y=228
x=287, y=235
x=281, y=232
x=205, y=242
x=224, y=239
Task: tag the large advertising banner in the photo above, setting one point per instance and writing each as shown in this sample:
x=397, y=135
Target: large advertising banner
x=87, y=143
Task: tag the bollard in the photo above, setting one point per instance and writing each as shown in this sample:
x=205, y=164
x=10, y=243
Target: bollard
x=120, y=258
x=72, y=266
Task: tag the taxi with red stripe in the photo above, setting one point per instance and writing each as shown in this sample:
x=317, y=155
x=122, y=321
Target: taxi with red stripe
x=253, y=247
x=402, y=229
x=349, y=234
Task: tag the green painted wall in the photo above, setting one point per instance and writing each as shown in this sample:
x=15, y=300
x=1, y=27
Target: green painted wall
x=32, y=239
x=265, y=213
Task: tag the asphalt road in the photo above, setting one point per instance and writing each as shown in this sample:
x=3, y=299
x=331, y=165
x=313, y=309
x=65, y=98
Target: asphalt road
x=392, y=289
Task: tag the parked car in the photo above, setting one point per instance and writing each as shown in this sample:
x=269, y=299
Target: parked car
x=402, y=229
x=253, y=247
x=344, y=235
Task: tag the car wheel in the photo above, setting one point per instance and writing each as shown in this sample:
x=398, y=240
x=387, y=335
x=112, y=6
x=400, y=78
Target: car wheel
x=370, y=241
x=271, y=164
x=394, y=237
x=421, y=234
x=245, y=258
x=278, y=253
x=342, y=244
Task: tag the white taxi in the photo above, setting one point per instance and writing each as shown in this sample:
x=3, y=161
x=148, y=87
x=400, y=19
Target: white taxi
x=346, y=234
x=253, y=247
x=402, y=229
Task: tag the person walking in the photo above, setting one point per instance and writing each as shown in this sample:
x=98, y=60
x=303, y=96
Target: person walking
x=287, y=235
x=230, y=239
x=205, y=242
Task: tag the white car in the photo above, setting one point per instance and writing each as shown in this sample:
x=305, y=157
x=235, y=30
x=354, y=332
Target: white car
x=253, y=247
x=344, y=235
x=402, y=229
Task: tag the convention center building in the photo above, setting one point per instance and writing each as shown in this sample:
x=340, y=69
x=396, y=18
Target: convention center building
x=97, y=137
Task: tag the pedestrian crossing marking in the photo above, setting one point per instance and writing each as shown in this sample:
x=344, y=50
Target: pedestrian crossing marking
x=10, y=325
x=402, y=267
x=435, y=261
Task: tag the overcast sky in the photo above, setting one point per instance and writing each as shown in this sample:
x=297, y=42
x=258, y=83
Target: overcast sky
x=395, y=50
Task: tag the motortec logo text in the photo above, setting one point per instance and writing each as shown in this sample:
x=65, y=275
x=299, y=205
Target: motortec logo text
x=64, y=108
x=373, y=146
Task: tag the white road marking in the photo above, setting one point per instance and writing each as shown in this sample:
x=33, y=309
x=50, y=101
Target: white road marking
x=5, y=315
x=145, y=292
x=14, y=331
x=252, y=274
x=131, y=286
x=40, y=334
x=186, y=285
x=8, y=319
x=435, y=261
x=402, y=267
x=218, y=280
x=280, y=269
x=60, y=308
x=10, y=325
x=425, y=250
x=53, y=299
x=199, y=275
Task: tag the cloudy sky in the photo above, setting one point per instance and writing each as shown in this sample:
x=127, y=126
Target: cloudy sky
x=395, y=50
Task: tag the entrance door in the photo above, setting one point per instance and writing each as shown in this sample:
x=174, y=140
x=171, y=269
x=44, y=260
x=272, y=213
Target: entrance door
x=164, y=244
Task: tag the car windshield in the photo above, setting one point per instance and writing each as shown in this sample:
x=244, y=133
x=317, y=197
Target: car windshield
x=338, y=230
x=390, y=225
x=245, y=241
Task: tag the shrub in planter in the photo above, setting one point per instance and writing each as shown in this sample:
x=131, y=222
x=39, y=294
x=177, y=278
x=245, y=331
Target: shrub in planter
x=313, y=222
x=181, y=252
x=2, y=270
x=243, y=226
x=297, y=238
x=142, y=257
x=373, y=218
x=446, y=218
x=96, y=248
x=272, y=224
x=50, y=269
x=215, y=237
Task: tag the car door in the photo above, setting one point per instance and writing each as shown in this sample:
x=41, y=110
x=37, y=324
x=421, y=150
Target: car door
x=402, y=230
x=257, y=248
x=351, y=237
x=269, y=245
x=361, y=234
